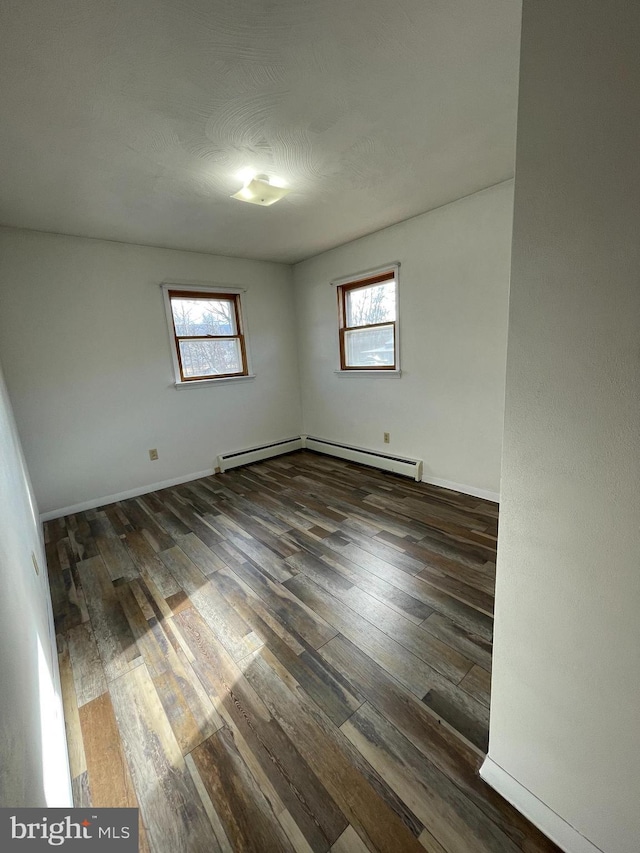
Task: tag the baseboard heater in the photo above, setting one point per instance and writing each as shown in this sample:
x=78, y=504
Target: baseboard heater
x=396, y=464
x=256, y=454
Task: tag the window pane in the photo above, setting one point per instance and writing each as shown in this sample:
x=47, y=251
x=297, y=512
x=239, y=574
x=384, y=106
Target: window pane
x=373, y=304
x=370, y=347
x=203, y=316
x=210, y=358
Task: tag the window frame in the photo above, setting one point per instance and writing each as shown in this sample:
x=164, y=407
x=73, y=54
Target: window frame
x=206, y=292
x=343, y=287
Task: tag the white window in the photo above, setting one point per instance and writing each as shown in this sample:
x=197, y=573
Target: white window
x=368, y=322
x=208, y=334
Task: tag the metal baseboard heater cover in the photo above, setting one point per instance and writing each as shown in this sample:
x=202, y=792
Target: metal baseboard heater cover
x=256, y=454
x=396, y=464
x=383, y=461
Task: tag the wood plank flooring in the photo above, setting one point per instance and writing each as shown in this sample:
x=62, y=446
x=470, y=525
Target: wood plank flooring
x=291, y=656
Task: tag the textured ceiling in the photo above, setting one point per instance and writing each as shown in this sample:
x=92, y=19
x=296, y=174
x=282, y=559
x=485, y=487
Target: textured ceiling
x=129, y=119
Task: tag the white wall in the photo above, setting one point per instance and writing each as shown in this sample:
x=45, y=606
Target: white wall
x=85, y=346
x=447, y=407
x=33, y=758
x=565, y=708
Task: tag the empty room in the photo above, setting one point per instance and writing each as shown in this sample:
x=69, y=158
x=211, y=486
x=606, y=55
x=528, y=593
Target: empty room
x=319, y=426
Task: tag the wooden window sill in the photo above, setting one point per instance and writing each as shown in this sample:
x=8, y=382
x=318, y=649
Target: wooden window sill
x=373, y=372
x=198, y=383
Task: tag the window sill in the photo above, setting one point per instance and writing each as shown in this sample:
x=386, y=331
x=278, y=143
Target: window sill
x=389, y=373
x=198, y=383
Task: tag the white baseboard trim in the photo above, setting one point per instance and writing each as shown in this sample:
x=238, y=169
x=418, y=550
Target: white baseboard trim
x=123, y=496
x=549, y=822
x=485, y=494
x=176, y=481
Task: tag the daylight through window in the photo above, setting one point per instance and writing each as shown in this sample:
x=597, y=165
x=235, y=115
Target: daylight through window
x=208, y=334
x=367, y=314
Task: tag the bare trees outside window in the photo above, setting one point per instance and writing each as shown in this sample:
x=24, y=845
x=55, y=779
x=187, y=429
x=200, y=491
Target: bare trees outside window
x=367, y=315
x=208, y=334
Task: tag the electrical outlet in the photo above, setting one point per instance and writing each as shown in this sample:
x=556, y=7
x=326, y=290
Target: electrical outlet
x=386, y=438
x=153, y=454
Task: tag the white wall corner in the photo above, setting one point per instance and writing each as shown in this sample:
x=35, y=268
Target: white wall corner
x=549, y=822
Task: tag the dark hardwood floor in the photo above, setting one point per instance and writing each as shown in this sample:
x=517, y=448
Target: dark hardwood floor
x=294, y=655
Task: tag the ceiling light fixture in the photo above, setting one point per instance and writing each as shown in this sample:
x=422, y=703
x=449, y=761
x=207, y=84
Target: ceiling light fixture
x=260, y=190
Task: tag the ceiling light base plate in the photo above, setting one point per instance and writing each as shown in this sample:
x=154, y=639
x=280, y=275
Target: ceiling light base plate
x=260, y=191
